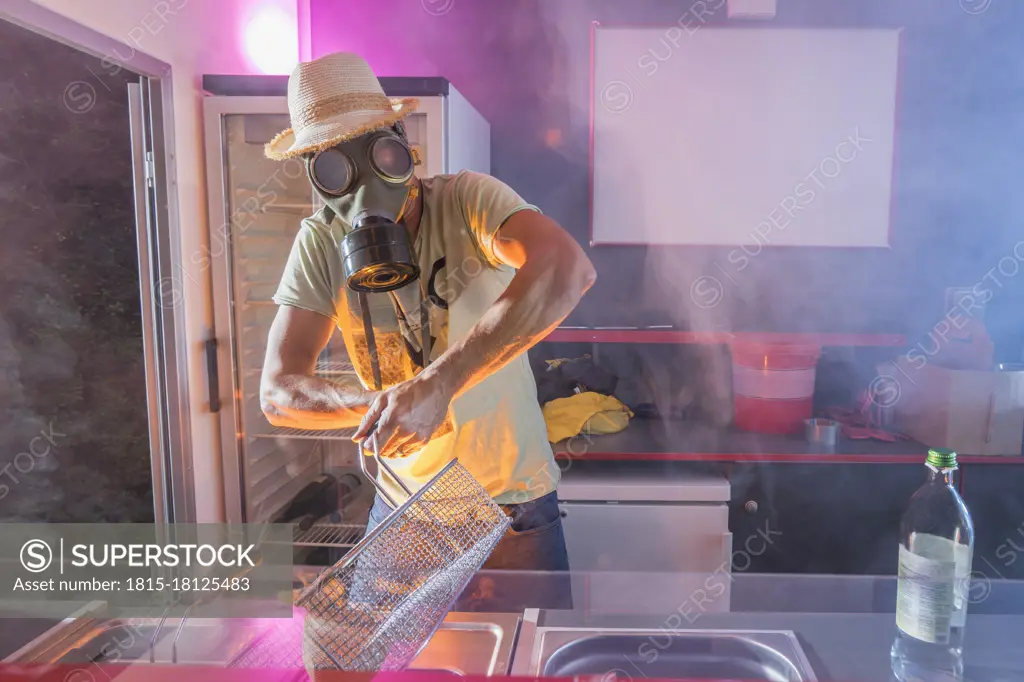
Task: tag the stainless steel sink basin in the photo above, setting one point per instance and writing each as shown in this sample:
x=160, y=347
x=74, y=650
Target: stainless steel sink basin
x=206, y=643
x=681, y=654
x=471, y=644
x=465, y=644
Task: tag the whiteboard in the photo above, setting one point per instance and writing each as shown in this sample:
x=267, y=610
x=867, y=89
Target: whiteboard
x=731, y=137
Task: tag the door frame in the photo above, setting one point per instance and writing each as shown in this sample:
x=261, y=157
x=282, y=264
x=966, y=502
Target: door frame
x=167, y=385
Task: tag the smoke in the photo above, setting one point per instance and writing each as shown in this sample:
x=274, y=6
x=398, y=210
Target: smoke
x=526, y=66
x=954, y=211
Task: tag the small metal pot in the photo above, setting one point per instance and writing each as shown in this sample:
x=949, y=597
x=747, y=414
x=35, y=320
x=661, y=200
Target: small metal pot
x=821, y=432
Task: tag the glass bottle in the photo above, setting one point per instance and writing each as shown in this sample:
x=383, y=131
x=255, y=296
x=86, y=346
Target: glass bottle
x=936, y=549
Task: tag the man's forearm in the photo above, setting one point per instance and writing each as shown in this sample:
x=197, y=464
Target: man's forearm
x=542, y=293
x=308, y=402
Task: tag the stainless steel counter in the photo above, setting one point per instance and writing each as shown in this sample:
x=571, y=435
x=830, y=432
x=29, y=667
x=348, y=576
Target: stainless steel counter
x=466, y=644
x=828, y=628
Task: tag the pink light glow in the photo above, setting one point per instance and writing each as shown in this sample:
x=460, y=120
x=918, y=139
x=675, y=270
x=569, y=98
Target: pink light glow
x=272, y=40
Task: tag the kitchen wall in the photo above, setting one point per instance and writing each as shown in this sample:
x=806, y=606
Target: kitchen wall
x=194, y=37
x=525, y=65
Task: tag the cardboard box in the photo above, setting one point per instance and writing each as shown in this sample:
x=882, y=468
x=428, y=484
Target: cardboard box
x=971, y=412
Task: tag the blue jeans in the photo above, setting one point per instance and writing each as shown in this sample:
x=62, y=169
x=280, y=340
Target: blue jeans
x=531, y=556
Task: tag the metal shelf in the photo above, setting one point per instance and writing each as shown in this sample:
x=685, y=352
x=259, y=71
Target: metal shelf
x=666, y=440
x=335, y=367
x=659, y=334
x=276, y=256
x=324, y=369
x=266, y=234
x=329, y=535
x=286, y=208
x=308, y=434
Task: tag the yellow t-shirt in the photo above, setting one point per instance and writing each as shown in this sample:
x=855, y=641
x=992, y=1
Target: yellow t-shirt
x=498, y=432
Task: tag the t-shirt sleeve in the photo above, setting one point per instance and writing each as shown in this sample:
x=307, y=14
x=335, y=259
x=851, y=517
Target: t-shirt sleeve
x=486, y=204
x=306, y=281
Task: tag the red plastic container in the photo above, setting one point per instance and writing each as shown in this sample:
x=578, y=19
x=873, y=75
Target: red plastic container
x=773, y=386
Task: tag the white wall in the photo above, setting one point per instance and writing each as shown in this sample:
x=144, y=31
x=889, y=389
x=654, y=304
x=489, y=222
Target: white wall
x=194, y=37
x=774, y=136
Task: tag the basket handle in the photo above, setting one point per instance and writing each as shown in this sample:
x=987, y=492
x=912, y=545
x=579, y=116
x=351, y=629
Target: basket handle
x=381, y=463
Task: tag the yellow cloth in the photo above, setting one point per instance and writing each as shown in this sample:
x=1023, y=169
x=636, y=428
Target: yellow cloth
x=554, y=364
x=591, y=412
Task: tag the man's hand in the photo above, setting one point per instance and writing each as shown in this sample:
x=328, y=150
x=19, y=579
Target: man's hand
x=406, y=416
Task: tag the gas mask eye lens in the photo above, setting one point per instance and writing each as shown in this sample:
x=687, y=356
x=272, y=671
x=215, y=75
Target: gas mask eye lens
x=391, y=159
x=332, y=171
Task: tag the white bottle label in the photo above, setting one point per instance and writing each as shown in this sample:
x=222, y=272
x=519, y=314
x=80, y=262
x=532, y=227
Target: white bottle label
x=933, y=587
x=963, y=556
x=925, y=596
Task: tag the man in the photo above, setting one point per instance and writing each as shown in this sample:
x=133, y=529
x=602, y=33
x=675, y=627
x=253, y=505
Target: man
x=444, y=351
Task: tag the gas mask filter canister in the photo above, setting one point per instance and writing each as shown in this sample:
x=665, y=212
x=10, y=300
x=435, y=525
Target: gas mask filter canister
x=366, y=181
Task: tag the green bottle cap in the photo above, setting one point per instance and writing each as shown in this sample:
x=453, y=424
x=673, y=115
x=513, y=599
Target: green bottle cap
x=941, y=458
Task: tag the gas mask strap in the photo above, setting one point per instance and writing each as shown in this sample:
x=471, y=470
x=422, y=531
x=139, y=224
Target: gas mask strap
x=425, y=324
x=371, y=340
x=371, y=347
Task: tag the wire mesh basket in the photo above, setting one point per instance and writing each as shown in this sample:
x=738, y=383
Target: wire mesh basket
x=376, y=608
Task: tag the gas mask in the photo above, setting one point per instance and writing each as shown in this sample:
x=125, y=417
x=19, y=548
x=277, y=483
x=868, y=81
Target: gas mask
x=367, y=182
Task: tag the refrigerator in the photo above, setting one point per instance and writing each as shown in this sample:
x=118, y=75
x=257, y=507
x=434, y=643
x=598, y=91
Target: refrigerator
x=255, y=209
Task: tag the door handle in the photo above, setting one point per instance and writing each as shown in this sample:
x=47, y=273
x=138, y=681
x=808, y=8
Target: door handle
x=212, y=380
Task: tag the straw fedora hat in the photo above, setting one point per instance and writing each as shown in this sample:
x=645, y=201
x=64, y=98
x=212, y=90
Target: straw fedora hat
x=333, y=99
